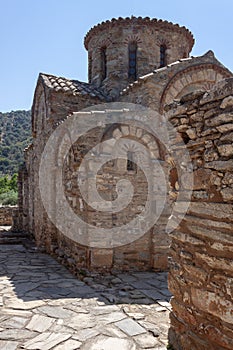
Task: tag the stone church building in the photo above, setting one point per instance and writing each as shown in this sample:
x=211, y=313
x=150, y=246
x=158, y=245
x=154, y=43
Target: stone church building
x=138, y=60
x=145, y=62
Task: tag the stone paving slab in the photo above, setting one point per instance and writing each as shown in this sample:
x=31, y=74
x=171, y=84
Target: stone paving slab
x=8, y=345
x=44, y=307
x=130, y=327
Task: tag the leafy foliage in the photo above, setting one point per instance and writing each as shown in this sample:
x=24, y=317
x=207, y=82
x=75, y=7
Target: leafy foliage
x=15, y=135
x=8, y=190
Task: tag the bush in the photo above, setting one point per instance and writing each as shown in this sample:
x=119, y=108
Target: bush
x=9, y=198
x=8, y=183
x=8, y=190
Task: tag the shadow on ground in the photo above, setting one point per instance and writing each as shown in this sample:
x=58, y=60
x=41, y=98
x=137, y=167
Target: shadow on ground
x=37, y=276
x=43, y=306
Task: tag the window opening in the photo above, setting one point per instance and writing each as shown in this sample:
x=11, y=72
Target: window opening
x=132, y=73
x=131, y=165
x=163, y=54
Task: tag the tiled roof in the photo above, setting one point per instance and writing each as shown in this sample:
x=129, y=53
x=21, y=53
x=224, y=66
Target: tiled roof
x=74, y=87
x=154, y=22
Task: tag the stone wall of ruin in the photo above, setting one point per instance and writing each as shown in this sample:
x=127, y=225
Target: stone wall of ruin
x=201, y=268
x=6, y=213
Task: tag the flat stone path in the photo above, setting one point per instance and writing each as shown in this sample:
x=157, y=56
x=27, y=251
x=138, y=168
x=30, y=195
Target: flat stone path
x=43, y=307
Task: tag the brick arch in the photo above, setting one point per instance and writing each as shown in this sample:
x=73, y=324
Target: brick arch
x=164, y=41
x=103, y=43
x=117, y=131
x=135, y=38
x=202, y=76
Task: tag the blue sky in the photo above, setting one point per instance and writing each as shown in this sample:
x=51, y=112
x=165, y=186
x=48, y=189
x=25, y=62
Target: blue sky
x=47, y=36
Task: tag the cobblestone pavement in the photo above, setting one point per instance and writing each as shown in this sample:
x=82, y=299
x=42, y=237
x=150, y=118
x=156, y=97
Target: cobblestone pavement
x=42, y=306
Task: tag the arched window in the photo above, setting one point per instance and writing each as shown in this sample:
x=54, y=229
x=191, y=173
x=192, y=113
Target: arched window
x=89, y=67
x=132, y=73
x=163, y=56
x=131, y=165
x=103, y=59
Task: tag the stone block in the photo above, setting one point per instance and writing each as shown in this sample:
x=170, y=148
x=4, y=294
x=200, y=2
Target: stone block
x=227, y=194
x=225, y=150
x=225, y=127
x=227, y=102
x=212, y=303
x=160, y=262
x=101, y=258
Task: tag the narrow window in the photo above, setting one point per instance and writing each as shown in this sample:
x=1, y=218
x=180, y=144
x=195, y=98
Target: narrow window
x=131, y=165
x=132, y=73
x=103, y=59
x=89, y=67
x=163, y=58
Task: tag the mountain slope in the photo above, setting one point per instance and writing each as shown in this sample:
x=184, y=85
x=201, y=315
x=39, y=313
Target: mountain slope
x=15, y=135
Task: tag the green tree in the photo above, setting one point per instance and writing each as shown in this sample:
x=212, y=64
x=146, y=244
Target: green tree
x=15, y=135
x=8, y=190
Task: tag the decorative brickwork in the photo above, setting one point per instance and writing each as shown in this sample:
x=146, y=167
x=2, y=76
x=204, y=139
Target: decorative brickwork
x=163, y=85
x=116, y=35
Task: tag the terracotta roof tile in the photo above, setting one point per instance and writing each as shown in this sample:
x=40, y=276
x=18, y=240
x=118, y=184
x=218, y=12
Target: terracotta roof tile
x=74, y=87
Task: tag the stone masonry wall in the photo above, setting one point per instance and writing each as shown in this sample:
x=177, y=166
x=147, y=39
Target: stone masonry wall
x=161, y=87
x=150, y=250
x=149, y=34
x=59, y=106
x=201, y=267
x=56, y=98
x=6, y=216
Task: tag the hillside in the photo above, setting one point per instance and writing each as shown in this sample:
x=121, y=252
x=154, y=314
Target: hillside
x=15, y=135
